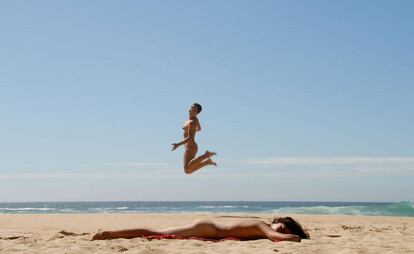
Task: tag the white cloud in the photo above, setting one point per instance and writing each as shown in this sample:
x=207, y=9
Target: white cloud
x=102, y=170
x=136, y=164
x=329, y=166
x=332, y=161
x=93, y=175
x=298, y=167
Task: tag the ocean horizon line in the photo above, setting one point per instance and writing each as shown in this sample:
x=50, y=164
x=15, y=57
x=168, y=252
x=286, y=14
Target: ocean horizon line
x=297, y=201
x=403, y=208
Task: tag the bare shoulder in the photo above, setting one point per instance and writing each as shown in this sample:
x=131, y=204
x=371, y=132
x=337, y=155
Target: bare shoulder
x=189, y=122
x=259, y=225
x=259, y=222
x=253, y=223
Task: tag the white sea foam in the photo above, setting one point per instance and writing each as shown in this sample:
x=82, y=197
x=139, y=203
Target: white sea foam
x=27, y=209
x=363, y=208
x=400, y=209
x=121, y=208
x=222, y=206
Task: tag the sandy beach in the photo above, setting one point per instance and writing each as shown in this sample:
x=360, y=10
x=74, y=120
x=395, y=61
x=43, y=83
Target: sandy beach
x=70, y=233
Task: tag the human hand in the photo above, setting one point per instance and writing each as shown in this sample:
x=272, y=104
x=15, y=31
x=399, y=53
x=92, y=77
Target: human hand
x=174, y=146
x=295, y=238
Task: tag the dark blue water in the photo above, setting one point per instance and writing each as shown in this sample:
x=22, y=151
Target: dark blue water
x=346, y=208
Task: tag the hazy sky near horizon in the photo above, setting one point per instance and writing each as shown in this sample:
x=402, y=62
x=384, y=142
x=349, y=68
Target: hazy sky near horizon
x=302, y=100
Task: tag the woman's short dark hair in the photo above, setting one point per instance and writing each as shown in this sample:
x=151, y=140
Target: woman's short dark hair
x=293, y=225
x=199, y=108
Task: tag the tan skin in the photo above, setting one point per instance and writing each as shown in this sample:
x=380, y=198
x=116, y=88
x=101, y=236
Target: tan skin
x=191, y=163
x=245, y=230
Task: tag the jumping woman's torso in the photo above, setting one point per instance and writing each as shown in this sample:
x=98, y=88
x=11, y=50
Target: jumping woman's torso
x=190, y=128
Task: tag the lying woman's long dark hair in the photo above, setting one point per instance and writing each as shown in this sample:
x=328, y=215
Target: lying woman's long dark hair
x=293, y=225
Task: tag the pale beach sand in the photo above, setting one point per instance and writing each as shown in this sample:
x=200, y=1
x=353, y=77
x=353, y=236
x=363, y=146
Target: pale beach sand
x=70, y=233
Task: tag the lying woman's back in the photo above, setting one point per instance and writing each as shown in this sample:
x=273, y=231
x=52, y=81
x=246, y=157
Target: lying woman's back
x=251, y=229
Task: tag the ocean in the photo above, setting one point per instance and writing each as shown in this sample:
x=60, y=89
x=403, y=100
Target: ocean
x=345, y=208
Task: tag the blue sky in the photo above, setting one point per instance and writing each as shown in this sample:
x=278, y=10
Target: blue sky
x=303, y=100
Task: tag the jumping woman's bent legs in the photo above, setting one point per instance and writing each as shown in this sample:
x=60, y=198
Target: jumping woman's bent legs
x=189, y=154
x=191, y=164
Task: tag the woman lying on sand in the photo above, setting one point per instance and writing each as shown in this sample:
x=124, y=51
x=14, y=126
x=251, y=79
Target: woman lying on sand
x=281, y=229
x=191, y=126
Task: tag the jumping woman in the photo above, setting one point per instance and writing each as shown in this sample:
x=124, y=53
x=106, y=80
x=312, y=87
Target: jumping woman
x=191, y=126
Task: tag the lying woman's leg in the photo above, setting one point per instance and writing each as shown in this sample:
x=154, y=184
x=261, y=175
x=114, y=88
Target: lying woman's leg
x=200, y=228
x=127, y=233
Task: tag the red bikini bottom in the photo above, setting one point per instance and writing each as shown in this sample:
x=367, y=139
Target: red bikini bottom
x=170, y=236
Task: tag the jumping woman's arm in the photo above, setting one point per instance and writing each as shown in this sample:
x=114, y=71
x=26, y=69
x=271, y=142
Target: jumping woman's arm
x=198, y=126
x=189, y=136
x=276, y=236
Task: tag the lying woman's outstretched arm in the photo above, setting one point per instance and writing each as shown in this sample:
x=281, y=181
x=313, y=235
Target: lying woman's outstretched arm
x=276, y=236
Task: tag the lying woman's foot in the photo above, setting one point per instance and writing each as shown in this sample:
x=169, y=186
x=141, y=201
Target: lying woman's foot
x=209, y=154
x=100, y=235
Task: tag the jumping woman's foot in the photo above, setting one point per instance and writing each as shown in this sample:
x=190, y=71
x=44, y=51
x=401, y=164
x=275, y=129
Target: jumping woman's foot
x=209, y=154
x=210, y=162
